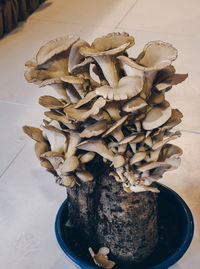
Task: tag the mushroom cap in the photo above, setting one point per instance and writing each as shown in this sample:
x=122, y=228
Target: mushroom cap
x=98, y=146
x=84, y=176
x=118, y=161
x=134, y=105
x=50, y=102
x=40, y=148
x=54, y=47
x=110, y=44
x=116, y=125
x=87, y=157
x=69, y=181
x=127, y=88
x=54, y=158
x=156, y=55
x=74, y=56
x=69, y=165
x=137, y=157
x=34, y=133
x=156, y=117
x=94, y=129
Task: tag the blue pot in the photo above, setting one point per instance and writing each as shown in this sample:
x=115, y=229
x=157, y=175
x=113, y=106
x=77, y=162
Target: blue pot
x=173, y=213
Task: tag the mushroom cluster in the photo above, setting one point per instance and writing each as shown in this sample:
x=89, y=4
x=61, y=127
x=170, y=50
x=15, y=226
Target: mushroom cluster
x=111, y=105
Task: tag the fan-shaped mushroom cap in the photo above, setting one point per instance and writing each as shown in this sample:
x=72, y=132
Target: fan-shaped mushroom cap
x=174, y=120
x=127, y=88
x=40, y=148
x=48, y=166
x=156, y=55
x=134, y=105
x=50, y=102
x=54, y=47
x=84, y=176
x=83, y=114
x=137, y=157
x=97, y=146
x=156, y=117
x=55, y=158
x=113, y=110
x=161, y=143
x=34, y=133
x=94, y=129
x=86, y=99
x=87, y=157
x=69, y=165
x=72, y=79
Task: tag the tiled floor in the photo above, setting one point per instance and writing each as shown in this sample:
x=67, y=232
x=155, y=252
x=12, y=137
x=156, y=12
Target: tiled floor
x=29, y=199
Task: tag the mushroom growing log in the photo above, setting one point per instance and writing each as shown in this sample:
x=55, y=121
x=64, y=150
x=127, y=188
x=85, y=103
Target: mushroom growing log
x=125, y=223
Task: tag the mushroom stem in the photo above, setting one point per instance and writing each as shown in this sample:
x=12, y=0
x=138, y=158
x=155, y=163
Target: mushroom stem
x=108, y=67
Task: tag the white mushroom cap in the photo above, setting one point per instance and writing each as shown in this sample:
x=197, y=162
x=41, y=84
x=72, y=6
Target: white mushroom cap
x=54, y=47
x=156, y=117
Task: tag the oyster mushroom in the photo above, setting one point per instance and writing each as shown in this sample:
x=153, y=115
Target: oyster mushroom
x=94, y=129
x=137, y=157
x=98, y=146
x=161, y=143
x=40, y=148
x=69, y=165
x=118, y=161
x=50, y=102
x=69, y=181
x=127, y=88
x=170, y=80
x=103, y=50
x=55, y=47
x=34, y=133
x=77, y=83
x=134, y=105
x=55, y=158
x=73, y=141
x=74, y=56
x=156, y=117
x=87, y=157
x=83, y=113
x=57, y=139
x=101, y=258
x=84, y=176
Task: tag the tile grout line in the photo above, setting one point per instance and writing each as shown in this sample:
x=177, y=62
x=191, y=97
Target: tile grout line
x=13, y=103
x=125, y=15
x=19, y=152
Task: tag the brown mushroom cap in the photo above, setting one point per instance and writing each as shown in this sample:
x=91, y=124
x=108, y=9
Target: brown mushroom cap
x=54, y=158
x=95, y=129
x=34, y=133
x=69, y=165
x=134, y=105
x=50, y=102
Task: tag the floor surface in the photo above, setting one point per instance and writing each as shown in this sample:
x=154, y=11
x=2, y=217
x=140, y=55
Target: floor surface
x=29, y=198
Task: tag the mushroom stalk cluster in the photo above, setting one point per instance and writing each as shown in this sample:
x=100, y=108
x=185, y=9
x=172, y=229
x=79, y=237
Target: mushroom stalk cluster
x=123, y=116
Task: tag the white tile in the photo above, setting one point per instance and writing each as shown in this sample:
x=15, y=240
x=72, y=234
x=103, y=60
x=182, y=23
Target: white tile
x=21, y=45
x=12, y=139
x=185, y=180
x=29, y=201
x=172, y=16
x=88, y=12
x=186, y=95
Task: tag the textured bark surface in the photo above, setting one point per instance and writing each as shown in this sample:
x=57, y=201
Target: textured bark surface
x=125, y=223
